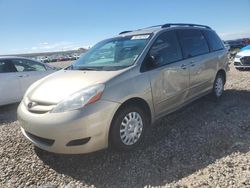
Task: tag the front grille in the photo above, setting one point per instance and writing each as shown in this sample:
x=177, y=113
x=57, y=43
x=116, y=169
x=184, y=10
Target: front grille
x=237, y=63
x=39, y=107
x=245, y=60
x=44, y=141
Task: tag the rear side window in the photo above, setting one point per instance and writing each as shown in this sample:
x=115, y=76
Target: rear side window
x=2, y=64
x=213, y=40
x=166, y=48
x=23, y=65
x=193, y=43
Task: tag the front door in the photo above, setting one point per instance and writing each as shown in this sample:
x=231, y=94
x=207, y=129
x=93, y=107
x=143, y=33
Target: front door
x=169, y=75
x=10, y=88
x=31, y=71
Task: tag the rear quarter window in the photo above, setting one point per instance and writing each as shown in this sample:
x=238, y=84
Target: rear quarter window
x=214, y=41
x=193, y=42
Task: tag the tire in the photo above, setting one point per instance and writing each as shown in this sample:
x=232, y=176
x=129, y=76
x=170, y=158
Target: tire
x=218, y=86
x=128, y=122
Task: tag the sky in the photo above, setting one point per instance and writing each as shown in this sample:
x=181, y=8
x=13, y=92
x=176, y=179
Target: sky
x=29, y=26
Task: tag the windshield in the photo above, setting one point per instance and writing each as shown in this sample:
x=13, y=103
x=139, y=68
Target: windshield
x=112, y=54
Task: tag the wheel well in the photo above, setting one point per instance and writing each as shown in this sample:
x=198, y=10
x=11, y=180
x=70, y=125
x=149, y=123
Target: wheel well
x=139, y=102
x=223, y=73
x=134, y=101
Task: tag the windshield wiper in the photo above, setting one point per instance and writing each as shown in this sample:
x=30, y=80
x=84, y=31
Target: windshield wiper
x=86, y=68
x=71, y=67
x=89, y=68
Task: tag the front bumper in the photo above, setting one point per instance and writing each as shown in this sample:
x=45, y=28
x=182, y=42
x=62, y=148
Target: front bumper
x=54, y=131
x=243, y=62
x=240, y=65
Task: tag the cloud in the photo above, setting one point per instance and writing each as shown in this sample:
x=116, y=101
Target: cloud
x=235, y=35
x=46, y=47
x=52, y=47
x=44, y=43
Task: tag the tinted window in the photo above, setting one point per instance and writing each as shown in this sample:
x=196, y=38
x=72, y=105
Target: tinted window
x=27, y=65
x=193, y=42
x=166, y=49
x=6, y=66
x=213, y=40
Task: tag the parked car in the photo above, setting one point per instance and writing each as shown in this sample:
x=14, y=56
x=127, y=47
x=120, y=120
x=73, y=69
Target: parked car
x=16, y=75
x=76, y=57
x=245, y=48
x=61, y=58
x=45, y=59
x=53, y=59
x=242, y=60
x=71, y=57
x=116, y=90
x=237, y=44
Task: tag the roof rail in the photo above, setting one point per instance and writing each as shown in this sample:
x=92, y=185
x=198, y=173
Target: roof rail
x=184, y=24
x=170, y=25
x=152, y=26
x=124, y=32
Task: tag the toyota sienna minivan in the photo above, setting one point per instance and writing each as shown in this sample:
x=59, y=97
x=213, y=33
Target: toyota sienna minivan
x=122, y=85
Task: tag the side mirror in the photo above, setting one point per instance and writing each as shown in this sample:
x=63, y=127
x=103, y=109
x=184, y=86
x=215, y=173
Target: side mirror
x=150, y=62
x=153, y=60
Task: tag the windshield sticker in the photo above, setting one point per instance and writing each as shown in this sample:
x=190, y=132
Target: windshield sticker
x=140, y=37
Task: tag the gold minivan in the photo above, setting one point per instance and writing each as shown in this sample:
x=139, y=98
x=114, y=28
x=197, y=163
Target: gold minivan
x=115, y=91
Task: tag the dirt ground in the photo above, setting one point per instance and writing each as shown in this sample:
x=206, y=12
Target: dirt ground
x=205, y=144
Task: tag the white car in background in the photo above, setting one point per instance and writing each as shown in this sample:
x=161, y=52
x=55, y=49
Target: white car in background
x=17, y=74
x=242, y=60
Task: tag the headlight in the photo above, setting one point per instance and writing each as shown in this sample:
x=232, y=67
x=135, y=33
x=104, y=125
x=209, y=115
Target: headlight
x=238, y=56
x=80, y=99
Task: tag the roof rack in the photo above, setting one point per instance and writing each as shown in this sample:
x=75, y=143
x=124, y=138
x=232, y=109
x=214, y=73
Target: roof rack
x=184, y=24
x=152, y=26
x=170, y=25
x=124, y=32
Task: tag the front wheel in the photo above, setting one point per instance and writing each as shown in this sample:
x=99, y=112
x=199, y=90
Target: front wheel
x=128, y=128
x=218, y=86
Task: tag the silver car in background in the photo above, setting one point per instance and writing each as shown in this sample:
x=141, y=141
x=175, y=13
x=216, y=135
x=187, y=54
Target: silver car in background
x=17, y=74
x=242, y=60
x=114, y=92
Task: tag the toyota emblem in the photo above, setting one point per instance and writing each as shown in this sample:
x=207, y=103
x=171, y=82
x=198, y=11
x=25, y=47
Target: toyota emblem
x=30, y=104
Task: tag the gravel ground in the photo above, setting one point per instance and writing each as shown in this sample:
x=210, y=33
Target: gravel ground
x=205, y=144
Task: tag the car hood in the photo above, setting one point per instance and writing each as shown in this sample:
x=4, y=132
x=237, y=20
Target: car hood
x=244, y=53
x=58, y=86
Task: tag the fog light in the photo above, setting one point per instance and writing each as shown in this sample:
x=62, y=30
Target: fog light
x=78, y=142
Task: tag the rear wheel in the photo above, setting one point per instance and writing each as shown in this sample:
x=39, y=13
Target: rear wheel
x=218, y=87
x=128, y=128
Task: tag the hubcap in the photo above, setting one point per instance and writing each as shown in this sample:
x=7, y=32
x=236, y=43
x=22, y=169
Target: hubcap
x=219, y=86
x=131, y=128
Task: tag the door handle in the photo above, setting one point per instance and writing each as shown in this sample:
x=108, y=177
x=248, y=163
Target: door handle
x=184, y=66
x=192, y=63
x=24, y=75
